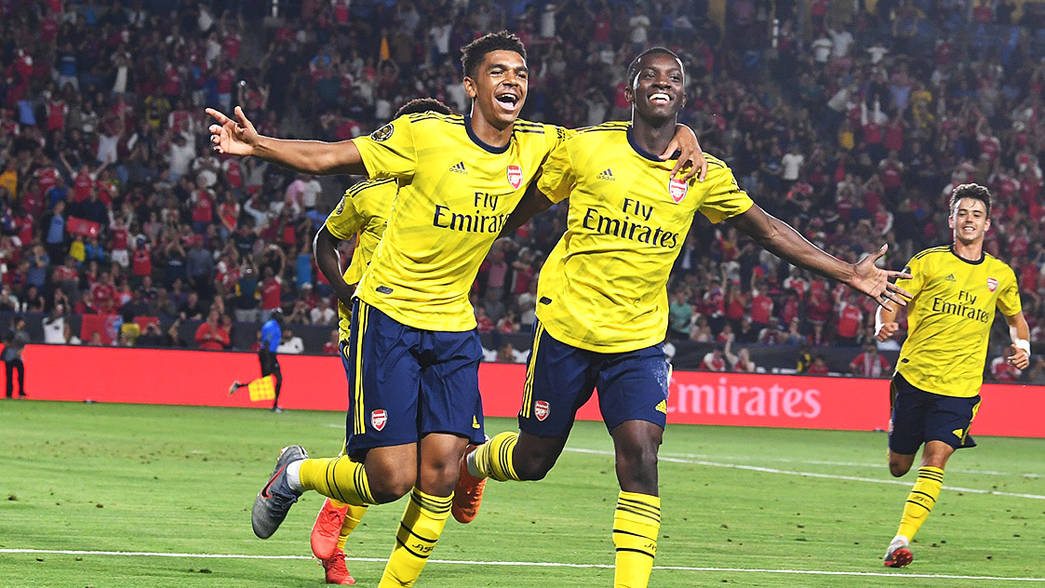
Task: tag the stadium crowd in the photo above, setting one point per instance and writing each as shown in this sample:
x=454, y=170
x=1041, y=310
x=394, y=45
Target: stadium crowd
x=851, y=123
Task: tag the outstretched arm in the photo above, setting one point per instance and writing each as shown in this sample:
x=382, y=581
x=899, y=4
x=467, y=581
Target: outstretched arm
x=239, y=137
x=324, y=248
x=1019, y=332
x=780, y=239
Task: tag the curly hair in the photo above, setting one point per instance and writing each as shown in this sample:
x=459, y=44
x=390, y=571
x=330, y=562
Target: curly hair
x=473, y=53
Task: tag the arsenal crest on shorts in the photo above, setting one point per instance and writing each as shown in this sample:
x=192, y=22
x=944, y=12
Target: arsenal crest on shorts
x=541, y=410
x=677, y=189
x=992, y=284
x=515, y=176
x=378, y=418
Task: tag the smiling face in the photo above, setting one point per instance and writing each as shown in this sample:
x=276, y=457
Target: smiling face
x=657, y=88
x=969, y=220
x=498, y=87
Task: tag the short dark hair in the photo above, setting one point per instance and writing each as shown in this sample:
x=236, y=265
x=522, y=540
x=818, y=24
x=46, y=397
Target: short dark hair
x=473, y=53
x=974, y=191
x=633, y=68
x=419, y=105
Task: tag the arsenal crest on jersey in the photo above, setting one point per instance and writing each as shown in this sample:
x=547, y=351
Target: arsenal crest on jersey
x=677, y=189
x=515, y=176
x=378, y=418
x=541, y=409
x=992, y=284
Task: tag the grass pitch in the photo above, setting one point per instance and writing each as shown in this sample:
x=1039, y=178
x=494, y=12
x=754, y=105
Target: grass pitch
x=751, y=507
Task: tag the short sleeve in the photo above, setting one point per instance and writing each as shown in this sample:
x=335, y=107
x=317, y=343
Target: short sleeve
x=557, y=177
x=389, y=152
x=344, y=221
x=1009, y=299
x=724, y=199
x=557, y=136
x=915, y=267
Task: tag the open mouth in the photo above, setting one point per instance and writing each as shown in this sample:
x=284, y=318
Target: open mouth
x=507, y=100
x=659, y=98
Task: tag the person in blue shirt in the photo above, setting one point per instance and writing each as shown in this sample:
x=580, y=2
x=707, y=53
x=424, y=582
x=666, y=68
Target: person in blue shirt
x=271, y=335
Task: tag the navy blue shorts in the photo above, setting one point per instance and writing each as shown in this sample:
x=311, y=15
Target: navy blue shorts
x=919, y=416
x=404, y=383
x=560, y=378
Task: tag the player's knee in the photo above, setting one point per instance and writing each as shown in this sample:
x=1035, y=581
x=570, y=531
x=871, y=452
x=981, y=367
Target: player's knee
x=639, y=455
x=899, y=468
x=533, y=466
x=390, y=488
x=439, y=475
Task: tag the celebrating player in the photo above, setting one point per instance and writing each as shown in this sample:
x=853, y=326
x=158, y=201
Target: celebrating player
x=603, y=308
x=363, y=214
x=413, y=350
x=935, y=391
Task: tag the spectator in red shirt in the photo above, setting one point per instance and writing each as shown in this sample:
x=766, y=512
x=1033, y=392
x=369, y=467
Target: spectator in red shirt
x=819, y=367
x=103, y=294
x=270, y=291
x=211, y=336
x=848, y=321
x=714, y=360
x=484, y=324
x=761, y=309
x=870, y=363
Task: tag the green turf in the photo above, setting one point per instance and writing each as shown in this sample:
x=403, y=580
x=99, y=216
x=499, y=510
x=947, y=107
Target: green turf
x=181, y=480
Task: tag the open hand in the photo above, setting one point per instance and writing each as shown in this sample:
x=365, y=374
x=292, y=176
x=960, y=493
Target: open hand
x=234, y=137
x=873, y=281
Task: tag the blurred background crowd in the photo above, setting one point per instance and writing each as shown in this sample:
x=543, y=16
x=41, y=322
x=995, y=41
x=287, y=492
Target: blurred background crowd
x=850, y=119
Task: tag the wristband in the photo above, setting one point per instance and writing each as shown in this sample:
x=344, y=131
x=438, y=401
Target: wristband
x=1022, y=344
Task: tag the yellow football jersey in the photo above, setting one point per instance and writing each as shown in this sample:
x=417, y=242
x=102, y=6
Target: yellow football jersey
x=603, y=287
x=363, y=213
x=949, y=319
x=455, y=193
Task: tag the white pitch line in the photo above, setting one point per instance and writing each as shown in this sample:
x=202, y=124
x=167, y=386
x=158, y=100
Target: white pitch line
x=541, y=564
x=765, y=470
x=853, y=464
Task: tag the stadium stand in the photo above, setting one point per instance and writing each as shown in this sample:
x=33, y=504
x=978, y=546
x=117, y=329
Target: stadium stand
x=851, y=124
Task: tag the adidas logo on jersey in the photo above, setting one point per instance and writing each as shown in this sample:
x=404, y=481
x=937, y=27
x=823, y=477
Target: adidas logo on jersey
x=458, y=168
x=606, y=174
x=950, y=278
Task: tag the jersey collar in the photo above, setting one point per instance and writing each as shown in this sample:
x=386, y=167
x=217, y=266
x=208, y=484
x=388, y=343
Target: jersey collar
x=983, y=256
x=475, y=139
x=642, y=151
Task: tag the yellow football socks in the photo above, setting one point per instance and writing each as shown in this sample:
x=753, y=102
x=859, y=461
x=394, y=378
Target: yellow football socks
x=636, y=523
x=338, y=478
x=352, y=518
x=494, y=458
x=921, y=500
x=422, y=524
